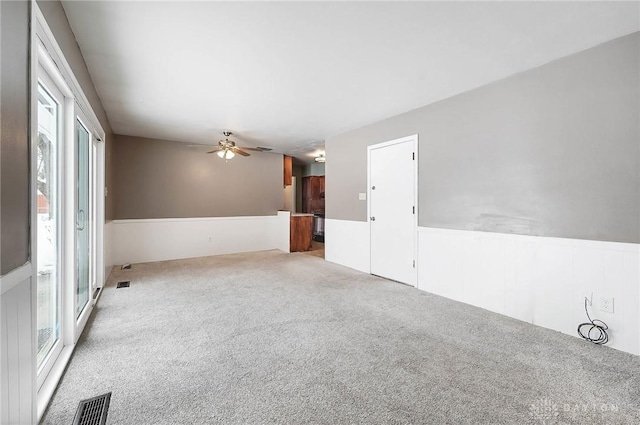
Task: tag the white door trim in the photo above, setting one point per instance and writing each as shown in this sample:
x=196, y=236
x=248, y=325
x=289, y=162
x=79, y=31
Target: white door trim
x=414, y=139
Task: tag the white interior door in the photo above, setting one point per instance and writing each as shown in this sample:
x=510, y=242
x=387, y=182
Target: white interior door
x=393, y=209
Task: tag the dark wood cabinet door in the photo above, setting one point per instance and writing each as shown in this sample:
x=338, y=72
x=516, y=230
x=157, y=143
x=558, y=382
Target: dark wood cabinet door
x=313, y=194
x=288, y=170
x=301, y=232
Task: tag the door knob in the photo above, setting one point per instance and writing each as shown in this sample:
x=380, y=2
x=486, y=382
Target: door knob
x=372, y=218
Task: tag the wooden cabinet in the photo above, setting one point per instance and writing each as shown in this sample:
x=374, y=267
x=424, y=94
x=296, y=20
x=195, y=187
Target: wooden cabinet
x=313, y=194
x=300, y=232
x=288, y=170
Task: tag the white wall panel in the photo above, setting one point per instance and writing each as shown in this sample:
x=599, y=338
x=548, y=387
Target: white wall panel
x=138, y=241
x=539, y=280
x=17, y=351
x=282, y=230
x=347, y=243
x=108, y=249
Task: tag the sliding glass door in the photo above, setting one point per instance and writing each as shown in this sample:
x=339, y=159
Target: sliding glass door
x=84, y=217
x=49, y=212
x=64, y=178
x=67, y=208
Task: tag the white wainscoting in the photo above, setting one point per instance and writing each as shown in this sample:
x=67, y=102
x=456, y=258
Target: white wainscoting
x=140, y=241
x=282, y=231
x=17, y=351
x=535, y=279
x=108, y=249
x=347, y=243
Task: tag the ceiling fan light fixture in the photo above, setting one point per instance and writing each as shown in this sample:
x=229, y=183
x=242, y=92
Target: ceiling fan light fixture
x=228, y=149
x=320, y=158
x=225, y=154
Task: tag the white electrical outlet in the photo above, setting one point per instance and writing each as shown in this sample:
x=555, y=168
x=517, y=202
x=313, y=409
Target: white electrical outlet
x=362, y=196
x=606, y=304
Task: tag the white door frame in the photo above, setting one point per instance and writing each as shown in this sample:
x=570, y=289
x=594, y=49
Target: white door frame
x=412, y=138
x=45, y=51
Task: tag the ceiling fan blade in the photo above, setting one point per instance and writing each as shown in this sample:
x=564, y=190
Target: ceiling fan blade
x=214, y=151
x=240, y=151
x=251, y=149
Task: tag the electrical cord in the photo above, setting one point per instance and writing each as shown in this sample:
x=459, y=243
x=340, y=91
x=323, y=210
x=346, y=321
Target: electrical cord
x=598, y=327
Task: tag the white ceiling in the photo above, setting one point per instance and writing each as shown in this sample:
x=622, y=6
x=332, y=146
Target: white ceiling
x=288, y=75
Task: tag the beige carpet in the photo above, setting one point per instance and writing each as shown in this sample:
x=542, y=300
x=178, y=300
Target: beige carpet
x=282, y=338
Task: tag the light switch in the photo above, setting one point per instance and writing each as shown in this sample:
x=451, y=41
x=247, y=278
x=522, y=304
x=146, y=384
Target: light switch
x=362, y=196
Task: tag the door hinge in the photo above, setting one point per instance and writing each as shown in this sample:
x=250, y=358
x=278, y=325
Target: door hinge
x=414, y=264
x=413, y=156
x=414, y=209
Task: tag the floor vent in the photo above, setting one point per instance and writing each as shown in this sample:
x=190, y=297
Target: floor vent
x=93, y=411
x=123, y=284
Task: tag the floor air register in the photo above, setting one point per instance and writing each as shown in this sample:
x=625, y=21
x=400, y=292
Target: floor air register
x=93, y=411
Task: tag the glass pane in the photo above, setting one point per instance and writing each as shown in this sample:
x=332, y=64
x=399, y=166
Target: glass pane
x=83, y=218
x=48, y=206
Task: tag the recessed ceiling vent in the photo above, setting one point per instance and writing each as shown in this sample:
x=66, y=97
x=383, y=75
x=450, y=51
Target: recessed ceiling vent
x=93, y=411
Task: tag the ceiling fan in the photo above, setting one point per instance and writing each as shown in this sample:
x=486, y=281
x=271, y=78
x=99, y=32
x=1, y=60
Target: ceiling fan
x=227, y=149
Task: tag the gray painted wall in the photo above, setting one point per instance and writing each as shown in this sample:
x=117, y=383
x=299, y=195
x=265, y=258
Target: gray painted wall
x=553, y=151
x=57, y=20
x=317, y=169
x=14, y=135
x=166, y=179
x=297, y=172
